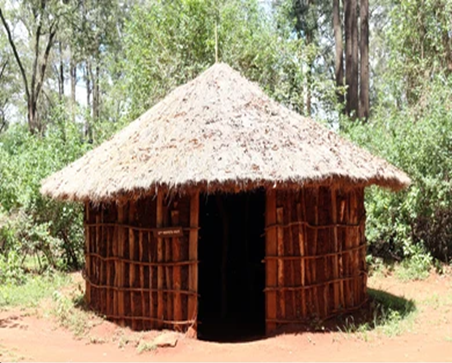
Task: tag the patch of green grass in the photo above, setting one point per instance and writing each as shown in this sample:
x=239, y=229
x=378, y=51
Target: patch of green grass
x=416, y=267
x=33, y=290
x=388, y=314
x=392, y=314
x=71, y=313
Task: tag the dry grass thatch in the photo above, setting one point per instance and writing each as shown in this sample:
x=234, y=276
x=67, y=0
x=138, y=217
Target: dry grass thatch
x=218, y=132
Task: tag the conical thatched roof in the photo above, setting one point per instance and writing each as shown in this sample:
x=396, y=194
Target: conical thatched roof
x=218, y=132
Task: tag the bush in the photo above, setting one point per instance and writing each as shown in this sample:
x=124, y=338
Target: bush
x=31, y=224
x=418, y=220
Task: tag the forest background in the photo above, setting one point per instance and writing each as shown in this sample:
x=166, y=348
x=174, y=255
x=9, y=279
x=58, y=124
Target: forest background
x=73, y=72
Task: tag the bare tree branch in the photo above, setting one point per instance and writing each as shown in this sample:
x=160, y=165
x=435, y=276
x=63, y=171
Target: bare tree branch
x=38, y=37
x=16, y=55
x=3, y=68
x=53, y=30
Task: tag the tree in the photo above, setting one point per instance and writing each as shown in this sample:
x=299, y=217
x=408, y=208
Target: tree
x=356, y=29
x=351, y=57
x=42, y=27
x=363, y=111
x=339, y=49
x=169, y=43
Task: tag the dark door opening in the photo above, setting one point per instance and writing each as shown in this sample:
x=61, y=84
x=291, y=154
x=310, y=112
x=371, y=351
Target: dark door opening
x=231, y=248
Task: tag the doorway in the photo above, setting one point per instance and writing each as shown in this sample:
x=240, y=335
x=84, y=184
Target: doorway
x=231, y=250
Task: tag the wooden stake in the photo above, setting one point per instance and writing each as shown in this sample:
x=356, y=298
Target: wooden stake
x=193, y=256
x=271, y=249
x=87, y=258
x=132, y=277
x=290, y=249
x=120, y=268
x=160, y=269
x=168, y=269
x=314, y=243
x=115, y=253
x=176, y=270
x=151, y=275
x=143, y=301
x=302, y=262
x=309, y=293
x=99, y=263
x=281, y=297
x=338, y=290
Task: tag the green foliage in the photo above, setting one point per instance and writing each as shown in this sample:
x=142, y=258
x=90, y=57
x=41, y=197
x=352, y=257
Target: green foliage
x=417, y=139
x=32, y=290
x=33, y=224
x=418, y=38
x=67, y=310
x=169, y=43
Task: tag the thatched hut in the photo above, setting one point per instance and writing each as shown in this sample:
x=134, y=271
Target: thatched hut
x=221, y=206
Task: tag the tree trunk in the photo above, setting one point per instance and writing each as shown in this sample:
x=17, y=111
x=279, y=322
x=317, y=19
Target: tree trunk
x=309, y=79
x=351, y=60
x=364, y=69
x=73, y=72
x=33, y=123
x=96, y=94
x=339, y=59
x=309, y=39
x=88, y=99
x=61, y=74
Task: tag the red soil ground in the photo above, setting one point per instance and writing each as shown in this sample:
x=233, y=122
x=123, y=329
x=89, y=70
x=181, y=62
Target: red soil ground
x=427, y=336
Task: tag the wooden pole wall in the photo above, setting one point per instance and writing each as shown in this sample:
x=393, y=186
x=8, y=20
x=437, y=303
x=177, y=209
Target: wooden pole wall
x=134, y=277
x=315, y=258
x=315, y=254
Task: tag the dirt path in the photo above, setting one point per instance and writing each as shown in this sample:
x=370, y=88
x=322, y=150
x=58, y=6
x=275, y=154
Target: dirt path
x=426, y=337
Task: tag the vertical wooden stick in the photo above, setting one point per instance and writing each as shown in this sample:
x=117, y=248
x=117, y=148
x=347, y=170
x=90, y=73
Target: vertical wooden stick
x=132, y=277
x=338, y=286
x=314, y=243
x=176, y=270
x=271, y=249
x=302, y=260
x=87, y=255
x=143, y=301
x=160, y=269
x=281, y=282
x=120, y=269
x=193, y=256
x=115, y=253
x=355, y=254
x=168, y=269
x=110, y=298
x=290, y=252
x=99, y=263
x=151, y=286
x=309, y=292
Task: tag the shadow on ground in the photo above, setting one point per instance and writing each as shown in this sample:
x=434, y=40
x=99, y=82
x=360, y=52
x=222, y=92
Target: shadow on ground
x=381, y=309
